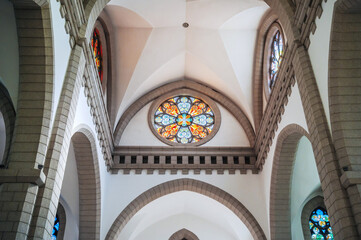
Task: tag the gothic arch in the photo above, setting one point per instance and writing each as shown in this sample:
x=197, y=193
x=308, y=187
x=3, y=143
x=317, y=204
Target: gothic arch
x=183, y=233
x=344, y=91
x=185, y=84
x=89, y=184
x=284, y=157
x=8, y=113
x=269, y=18
x=192, y=185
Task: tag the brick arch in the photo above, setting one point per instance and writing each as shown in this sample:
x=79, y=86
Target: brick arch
x=284, y=157
x=89, y=183
x=8, y=112
x=192, y=185
x=183, y=233
x=344, y=91
x=222, y=99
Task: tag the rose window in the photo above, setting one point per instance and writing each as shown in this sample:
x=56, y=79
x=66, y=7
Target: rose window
x=184, y=119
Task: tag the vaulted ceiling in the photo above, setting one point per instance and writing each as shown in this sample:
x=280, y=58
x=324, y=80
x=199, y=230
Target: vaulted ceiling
x=151, y=46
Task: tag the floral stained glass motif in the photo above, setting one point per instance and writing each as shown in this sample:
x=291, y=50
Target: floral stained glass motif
x=54, y=235
x=276, y=57
x=319, y=224
x=98, y=53
x=184, y=119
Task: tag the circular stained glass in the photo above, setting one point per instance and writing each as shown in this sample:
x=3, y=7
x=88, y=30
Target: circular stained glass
x=184, y=120
x=319, y=224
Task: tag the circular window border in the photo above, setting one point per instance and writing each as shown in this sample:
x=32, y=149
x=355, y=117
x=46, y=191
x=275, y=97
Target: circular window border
x=192, y=93
x=276, y=26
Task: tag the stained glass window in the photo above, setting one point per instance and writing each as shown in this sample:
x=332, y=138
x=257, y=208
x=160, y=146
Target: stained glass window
x=54, y=235
x=98, y=52
x=184, y=119
x=320, y=225
x=276, y=57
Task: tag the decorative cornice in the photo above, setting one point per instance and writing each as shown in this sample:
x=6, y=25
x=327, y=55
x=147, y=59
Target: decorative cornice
x=184, y=159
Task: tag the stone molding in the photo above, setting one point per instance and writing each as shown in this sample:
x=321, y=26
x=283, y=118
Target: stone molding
x=192, y=185
x=215, y=95
x=284, y=157
x=183, y=233
x=184, y=159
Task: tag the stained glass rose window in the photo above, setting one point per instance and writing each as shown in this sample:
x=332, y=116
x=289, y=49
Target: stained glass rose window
x=319, y=224
x=184, y=120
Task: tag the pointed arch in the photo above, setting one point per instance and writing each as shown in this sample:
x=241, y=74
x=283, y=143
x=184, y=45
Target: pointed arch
x=183, y=233
x=215, y=95
x=315, y=202
x=186, y=184
x=89, y=183
x=284, y=158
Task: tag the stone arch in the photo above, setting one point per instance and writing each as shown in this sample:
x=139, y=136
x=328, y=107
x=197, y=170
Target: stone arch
x=192, y=185
x=8, y=113
x=89, y=183
x=183, y=233
x=35, y=83
x=315, y=202
x=344, y=91
x=58, y=147
x=185, y=84
x=284, y=157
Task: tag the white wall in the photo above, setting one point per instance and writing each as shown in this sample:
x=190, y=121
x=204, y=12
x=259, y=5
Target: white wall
x=61, y=51
x=122, y=189
x=9, y=50
x=305, y=181
x=319, y=52
x=293, y=114
x=138, y=133
x=69, y=196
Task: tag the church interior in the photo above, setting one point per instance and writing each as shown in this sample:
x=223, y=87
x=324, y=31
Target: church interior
x=180, y=119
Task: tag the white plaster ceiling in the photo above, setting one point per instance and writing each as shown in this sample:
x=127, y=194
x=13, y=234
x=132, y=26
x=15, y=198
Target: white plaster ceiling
x=184, y=209
x=153, y=48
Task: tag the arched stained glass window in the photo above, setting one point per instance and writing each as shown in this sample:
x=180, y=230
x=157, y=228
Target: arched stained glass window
x=184, y=119
x=276, y=57
x=319, y=224
x=98, y=52
x=54, y=235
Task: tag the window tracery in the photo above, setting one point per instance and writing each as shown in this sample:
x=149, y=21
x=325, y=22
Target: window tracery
x=319, y=224
x=276, y=56
x=184, y=119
